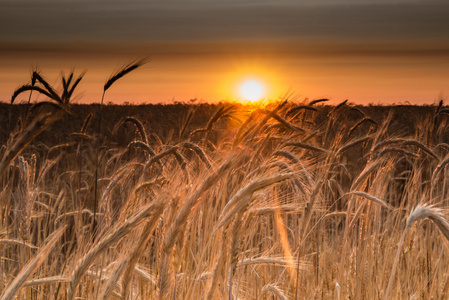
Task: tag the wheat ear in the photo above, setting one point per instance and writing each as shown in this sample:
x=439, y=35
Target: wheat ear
x=313, y=102
x=137, y=251
x=139, y=126
x=123, y=71
x=199, y=152
x=180, y=220
x=243, y=196
x=112, y=280
x=421, y=211
x=33, y=264
x=17, y=242
x=274, y=289
x=103, y=244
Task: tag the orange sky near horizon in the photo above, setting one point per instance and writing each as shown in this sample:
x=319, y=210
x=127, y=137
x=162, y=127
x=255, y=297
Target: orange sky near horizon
x=363, y=77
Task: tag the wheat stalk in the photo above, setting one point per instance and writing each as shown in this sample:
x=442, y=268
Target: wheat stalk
x=81, y=267
x=372, y=198
x=45, y=280
x=17, y=242
x=265, y=260
x=275, y=290
x=352, y=144
x=138, y=250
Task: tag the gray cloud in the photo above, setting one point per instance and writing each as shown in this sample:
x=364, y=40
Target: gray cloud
x=160, y=21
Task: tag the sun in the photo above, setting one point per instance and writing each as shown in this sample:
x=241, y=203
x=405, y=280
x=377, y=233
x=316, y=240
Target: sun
x=251, y=90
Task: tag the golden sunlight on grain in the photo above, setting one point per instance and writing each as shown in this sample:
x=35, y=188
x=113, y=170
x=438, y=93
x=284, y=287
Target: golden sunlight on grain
x=178, y=201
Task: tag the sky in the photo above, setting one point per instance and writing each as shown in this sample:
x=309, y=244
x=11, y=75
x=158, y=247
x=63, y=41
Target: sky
x=378, y=52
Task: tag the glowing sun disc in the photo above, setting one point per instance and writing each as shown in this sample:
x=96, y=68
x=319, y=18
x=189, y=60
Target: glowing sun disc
x=251, y=90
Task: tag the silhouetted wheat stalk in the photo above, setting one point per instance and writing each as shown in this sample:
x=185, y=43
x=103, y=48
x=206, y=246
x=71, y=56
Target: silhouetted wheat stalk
x=114, y=77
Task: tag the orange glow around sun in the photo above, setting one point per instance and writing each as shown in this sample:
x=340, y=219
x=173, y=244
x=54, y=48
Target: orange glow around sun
x=251, y=83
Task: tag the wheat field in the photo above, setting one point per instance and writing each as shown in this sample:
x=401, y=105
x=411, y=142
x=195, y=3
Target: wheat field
x=285, y=201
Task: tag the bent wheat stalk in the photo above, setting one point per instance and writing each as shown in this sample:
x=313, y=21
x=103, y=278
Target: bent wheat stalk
x=421, y=211
x=17, y=242
x=138, y=250
x=274, y=289
x=31, y=132
x=45, y=280
x=103, y=244
x=181, y=219
x=243, y=196
x=33, y=265
x=372, y=198
x=110, y=284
